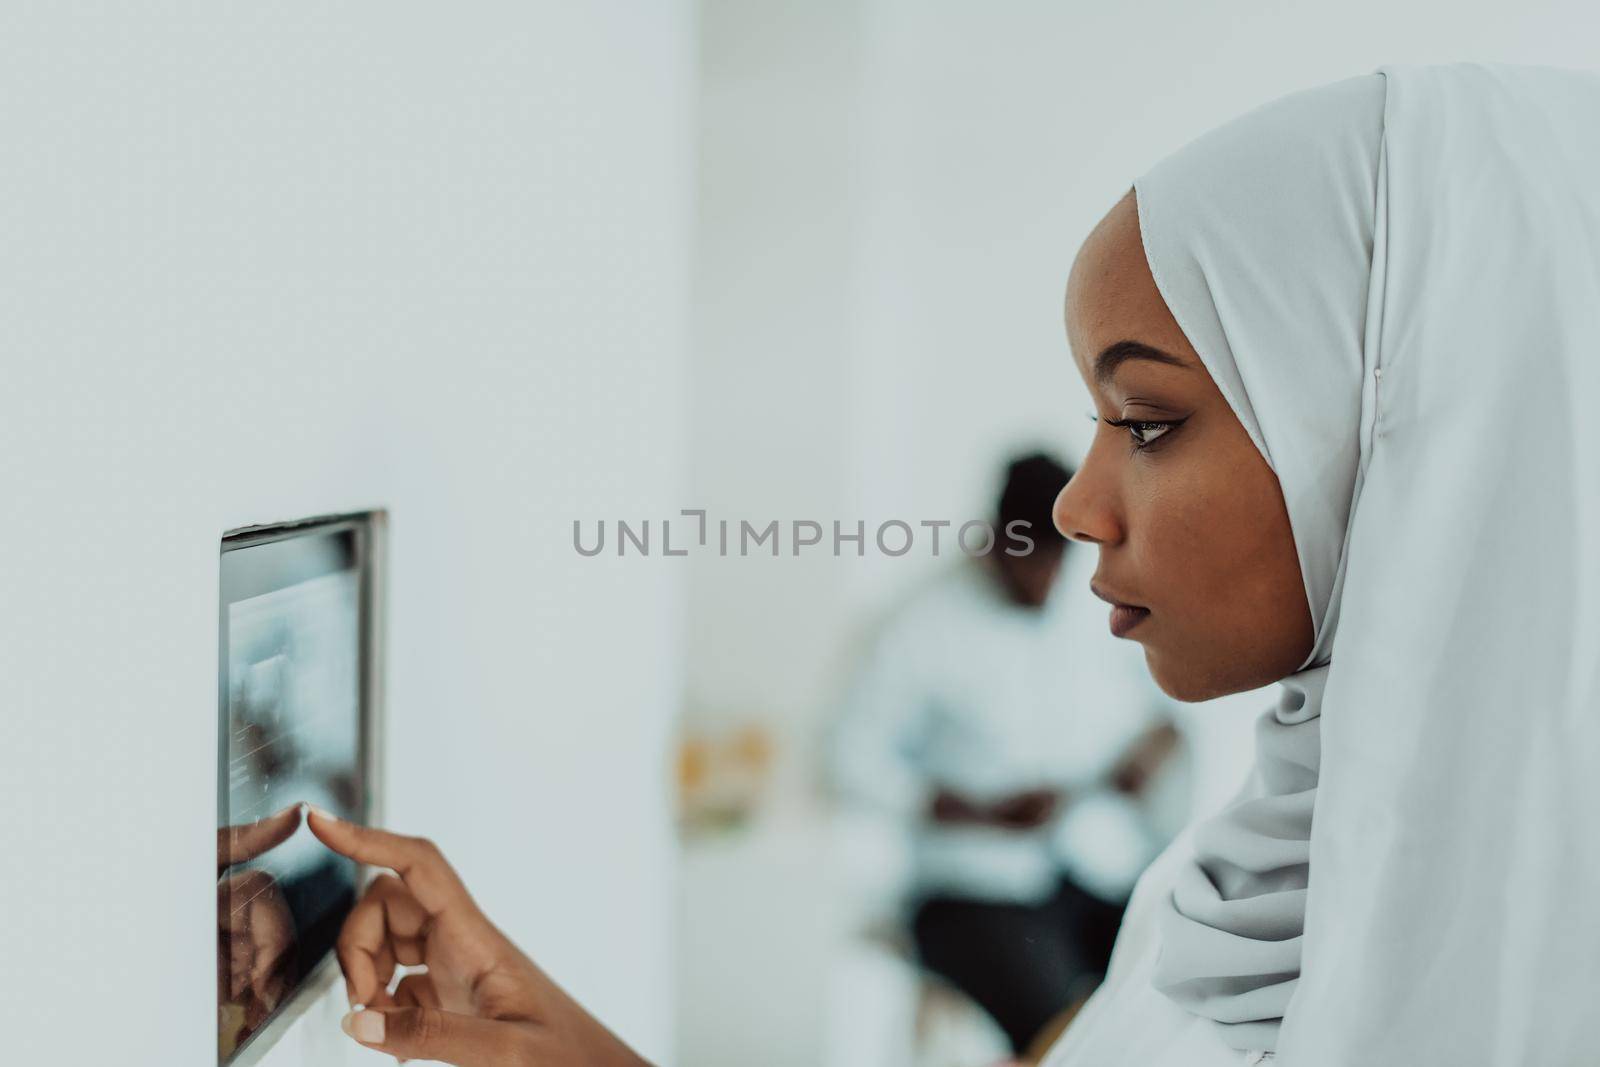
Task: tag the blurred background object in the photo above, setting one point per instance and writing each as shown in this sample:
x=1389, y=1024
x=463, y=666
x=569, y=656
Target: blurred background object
x=1013, y=740
x=722, y=773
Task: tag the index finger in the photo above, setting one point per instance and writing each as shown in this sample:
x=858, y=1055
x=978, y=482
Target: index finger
x=236, y=844
x=417, y=861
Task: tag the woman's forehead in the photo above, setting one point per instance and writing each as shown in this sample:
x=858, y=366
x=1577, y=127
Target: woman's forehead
x=1112, y=297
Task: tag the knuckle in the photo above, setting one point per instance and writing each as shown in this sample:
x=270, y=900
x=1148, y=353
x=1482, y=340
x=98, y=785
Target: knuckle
x=428, y=1027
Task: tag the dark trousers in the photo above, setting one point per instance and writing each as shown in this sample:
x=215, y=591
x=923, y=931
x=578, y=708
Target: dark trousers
x=1022, y=963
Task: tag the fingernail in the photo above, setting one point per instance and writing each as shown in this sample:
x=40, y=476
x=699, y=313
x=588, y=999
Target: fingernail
x=364, y=1026
x=322, y=813
x=368, y=1027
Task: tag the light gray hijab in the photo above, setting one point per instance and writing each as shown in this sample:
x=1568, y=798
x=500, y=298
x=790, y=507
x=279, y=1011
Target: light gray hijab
x=1395, y=282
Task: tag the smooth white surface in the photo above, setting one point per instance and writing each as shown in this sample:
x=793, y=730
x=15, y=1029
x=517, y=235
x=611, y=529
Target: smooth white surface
x=262, y=262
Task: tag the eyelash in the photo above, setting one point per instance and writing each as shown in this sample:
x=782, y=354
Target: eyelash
x=1137, y=427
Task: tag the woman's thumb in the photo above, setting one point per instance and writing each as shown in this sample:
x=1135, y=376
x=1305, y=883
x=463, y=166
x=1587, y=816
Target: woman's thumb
x=445, y=1036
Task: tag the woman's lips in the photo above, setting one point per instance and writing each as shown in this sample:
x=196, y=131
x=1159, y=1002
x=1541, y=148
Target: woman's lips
x=1125, y=617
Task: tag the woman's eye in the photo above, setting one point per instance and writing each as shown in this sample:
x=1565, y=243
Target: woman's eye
x=1146, y=433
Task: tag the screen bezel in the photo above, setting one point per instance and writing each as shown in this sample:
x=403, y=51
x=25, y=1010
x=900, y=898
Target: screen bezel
x=369, y=533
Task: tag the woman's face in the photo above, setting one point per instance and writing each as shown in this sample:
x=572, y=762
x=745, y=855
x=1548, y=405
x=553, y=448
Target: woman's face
x=1194, y=539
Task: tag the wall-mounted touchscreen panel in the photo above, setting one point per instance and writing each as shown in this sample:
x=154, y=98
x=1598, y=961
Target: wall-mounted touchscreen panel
x=295, y=693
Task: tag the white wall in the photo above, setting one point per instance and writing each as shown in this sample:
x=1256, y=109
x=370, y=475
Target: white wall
x=265, y=261
x=892, y=194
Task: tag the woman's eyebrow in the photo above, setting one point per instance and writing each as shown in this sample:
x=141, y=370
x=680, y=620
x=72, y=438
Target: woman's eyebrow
x=1115, y=355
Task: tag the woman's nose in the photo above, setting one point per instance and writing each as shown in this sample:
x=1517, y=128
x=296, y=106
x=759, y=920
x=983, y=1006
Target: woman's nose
x=1084, y=510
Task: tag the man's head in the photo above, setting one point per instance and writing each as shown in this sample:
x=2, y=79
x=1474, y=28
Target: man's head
x=1031, y=486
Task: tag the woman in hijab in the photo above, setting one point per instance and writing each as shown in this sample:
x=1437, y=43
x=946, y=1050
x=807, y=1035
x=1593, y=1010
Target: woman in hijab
x=1339, y=351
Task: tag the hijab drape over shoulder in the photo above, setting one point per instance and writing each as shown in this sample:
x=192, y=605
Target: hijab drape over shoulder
x=1395, y=282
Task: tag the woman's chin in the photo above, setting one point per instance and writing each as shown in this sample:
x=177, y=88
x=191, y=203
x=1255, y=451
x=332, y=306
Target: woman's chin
x=1188, y=679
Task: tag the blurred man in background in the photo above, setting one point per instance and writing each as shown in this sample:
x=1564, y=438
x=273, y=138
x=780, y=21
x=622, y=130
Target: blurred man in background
x=996, y=713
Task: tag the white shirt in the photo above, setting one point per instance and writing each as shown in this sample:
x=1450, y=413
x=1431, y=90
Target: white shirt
x=966, y=691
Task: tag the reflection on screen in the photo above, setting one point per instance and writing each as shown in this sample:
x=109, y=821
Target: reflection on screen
x=291, y=710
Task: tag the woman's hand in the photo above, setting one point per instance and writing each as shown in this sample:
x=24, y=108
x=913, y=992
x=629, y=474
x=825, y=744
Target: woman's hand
x=482, y=1003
